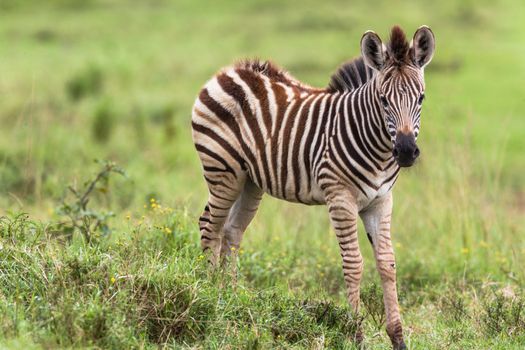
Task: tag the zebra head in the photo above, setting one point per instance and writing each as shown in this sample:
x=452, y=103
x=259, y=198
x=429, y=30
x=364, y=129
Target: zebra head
x=400, y=88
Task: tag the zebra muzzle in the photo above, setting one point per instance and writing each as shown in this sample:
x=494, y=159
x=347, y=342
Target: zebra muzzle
x=405, y=150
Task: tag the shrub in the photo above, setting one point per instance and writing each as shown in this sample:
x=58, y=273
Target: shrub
x=86, y=82
x=78, y=218
x=103, y=122
x=503, y=314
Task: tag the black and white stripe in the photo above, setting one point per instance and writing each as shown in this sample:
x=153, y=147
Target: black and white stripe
x=291, y=139
x=257, y=129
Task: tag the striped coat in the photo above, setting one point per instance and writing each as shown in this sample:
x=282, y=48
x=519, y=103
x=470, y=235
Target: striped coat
x=292, y=139
x=259, y=130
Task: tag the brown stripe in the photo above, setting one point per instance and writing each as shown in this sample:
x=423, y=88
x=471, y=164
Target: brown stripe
x=308, y=142
x=224, y=115
x=217, y=138
x=281, y=104
x=256, y=84
x=298, y=137
x=285, y=143
x=236, y=92
x=259, y=91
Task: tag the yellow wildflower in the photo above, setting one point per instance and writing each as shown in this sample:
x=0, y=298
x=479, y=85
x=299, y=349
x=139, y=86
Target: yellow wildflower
x=112, y=280
x=464, y=250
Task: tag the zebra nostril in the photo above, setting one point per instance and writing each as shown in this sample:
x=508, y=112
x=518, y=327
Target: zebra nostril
x=416, y=153
x=395, y=152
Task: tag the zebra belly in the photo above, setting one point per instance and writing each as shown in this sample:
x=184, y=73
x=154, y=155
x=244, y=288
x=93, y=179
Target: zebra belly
x=286, y=189
x=312, y=197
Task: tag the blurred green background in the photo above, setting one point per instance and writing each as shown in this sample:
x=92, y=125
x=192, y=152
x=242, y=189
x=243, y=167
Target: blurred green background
x=115, y=79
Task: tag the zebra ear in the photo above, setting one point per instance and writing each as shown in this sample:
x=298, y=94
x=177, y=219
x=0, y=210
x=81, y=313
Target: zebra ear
x=422, y=46
x=373, y=50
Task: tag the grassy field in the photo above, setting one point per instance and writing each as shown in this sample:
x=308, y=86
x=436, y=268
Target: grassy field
x=115, y=80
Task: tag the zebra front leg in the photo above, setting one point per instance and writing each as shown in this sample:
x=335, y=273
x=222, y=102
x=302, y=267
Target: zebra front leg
x=343, y=215
x=377, y=224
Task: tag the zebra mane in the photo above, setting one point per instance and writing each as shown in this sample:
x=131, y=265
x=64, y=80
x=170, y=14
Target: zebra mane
x=266, y=68
x=350, y=76
x=272, y=71
x=399, y=47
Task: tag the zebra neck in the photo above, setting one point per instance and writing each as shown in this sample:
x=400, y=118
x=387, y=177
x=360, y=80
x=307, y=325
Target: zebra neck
x=362, y=128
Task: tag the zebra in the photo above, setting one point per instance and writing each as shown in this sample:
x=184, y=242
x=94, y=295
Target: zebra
x=259, y=130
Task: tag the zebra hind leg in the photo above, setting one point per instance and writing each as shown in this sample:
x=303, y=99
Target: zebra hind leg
x=204, y=218
x=241, y=214
x=221, y=198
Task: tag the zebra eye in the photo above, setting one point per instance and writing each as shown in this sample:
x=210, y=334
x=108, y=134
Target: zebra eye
x=421, y=98
x=384, y=101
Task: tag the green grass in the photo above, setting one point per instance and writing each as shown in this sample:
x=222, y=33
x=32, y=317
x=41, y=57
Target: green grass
x=84, y=80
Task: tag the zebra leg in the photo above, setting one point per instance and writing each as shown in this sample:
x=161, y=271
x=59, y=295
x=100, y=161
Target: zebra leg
x=223, y=195
x=241, y=214
x=343, y=215
x=204, y=218
x=377, y=224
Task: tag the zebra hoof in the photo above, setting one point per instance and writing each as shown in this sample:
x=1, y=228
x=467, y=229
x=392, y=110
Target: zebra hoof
x=358, y=339
x=400, y=346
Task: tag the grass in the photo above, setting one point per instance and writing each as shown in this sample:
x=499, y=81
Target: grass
x=103, y=80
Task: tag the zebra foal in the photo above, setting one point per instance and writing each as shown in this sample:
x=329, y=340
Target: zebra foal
x=257, y=129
